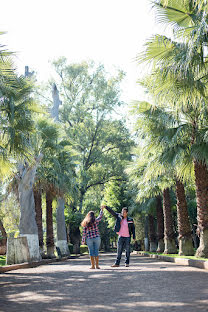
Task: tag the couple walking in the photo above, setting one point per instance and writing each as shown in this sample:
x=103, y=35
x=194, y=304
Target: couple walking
x=124, y=227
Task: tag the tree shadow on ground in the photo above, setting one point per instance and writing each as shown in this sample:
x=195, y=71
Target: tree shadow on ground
x=147, y=285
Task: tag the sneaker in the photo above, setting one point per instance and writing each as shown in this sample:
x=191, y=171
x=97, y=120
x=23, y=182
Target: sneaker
x=126, y=265
x=115, y=265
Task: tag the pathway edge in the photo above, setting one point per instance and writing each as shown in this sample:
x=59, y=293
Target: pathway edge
x=34, y=264
x=201, y=264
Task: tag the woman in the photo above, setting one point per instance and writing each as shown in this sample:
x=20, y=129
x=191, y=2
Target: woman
x=92, y=236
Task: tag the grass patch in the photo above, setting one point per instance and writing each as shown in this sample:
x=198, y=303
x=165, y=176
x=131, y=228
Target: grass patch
x=2, y=260
x=175, y=255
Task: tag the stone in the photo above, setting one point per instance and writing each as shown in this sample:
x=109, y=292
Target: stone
x=17, y=250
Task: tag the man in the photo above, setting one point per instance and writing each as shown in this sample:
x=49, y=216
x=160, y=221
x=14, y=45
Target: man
x=124, y=227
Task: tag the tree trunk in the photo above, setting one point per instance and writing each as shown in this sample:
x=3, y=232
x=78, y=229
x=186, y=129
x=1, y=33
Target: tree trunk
x=195, y=236
x=201, y=181
x=160, y=225
x=3, y=240
x=169, y=235
x=75, y=239
x=146, y=239
x=49, y=226
x=28, y=226
x=61, y=228
x=152, y=234
x=75, y=236
x=81, y=201
x=184, y=227
x=39, y=221
x=56, y=103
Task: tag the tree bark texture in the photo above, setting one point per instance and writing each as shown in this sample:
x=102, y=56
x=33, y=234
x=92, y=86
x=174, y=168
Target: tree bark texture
x=184, y=227
x=152, y=234
x=61, y=228
x=81, y=201
x=27, y=204
x=160, y=224
x=49, y=225
x=201, y=182
x=28, y=226
x=75, y=239
x=169, y=235
x=60, y=218
x=146, y=231
x=56, y=103
x=3, y=240
x=38, y=211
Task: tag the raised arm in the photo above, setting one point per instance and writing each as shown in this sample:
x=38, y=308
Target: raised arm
x=114, y=214
x=100, y=216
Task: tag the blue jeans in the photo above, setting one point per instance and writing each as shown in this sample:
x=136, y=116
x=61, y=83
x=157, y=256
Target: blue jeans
x=93, y=246
x=123, y=243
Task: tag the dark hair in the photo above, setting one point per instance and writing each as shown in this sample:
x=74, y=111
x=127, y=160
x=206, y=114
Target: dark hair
x=89, y=219
x=124, y=208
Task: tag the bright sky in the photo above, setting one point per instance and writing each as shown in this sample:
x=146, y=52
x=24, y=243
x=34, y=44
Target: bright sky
x=108, y=31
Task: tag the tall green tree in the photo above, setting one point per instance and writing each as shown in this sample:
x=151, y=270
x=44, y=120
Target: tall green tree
x=16, y=126
x=90, y=98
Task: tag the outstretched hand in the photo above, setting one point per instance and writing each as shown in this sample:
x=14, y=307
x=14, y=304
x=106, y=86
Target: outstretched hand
x=103, y=206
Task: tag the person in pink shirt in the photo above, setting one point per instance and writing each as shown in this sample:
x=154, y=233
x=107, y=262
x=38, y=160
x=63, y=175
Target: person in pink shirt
x=124, y=227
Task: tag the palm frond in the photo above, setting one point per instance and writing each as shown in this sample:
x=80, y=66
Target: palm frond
x=176, y=13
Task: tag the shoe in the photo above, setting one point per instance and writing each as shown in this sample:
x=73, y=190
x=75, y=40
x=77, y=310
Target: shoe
x=126, y=265
x=115, y=265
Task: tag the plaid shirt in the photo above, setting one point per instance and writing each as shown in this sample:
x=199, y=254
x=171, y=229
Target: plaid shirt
x=92, y=231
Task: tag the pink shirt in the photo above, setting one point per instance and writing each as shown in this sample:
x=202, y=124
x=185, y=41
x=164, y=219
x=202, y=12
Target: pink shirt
x=124, y=230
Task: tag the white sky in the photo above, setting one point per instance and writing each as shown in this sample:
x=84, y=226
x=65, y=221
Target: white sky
x=108, y=31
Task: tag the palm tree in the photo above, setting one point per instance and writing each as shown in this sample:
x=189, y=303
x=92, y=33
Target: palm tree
x=16, y=125
x=180, y=80
x=56, y=177
x=149, y=188
x=156, y=125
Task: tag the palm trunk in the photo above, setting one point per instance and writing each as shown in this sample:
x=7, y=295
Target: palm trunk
x=146, y=230
x=152, y=234
x=28, y=226
x=184, y=227
x=3, y=240
x=75, y=236
x=61, y=228
x=195, y=236
x=160, y=225
x=49, y=226
x=201, y=181
x=75, y=239
x=38, y=217
x=169, y=235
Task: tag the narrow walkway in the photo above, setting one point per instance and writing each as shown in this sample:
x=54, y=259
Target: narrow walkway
x=147, y=285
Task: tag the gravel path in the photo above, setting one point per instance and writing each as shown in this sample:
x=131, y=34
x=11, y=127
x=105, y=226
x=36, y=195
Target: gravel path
x=147, y=285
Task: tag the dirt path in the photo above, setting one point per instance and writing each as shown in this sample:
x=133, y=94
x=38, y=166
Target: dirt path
x=147, y=285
